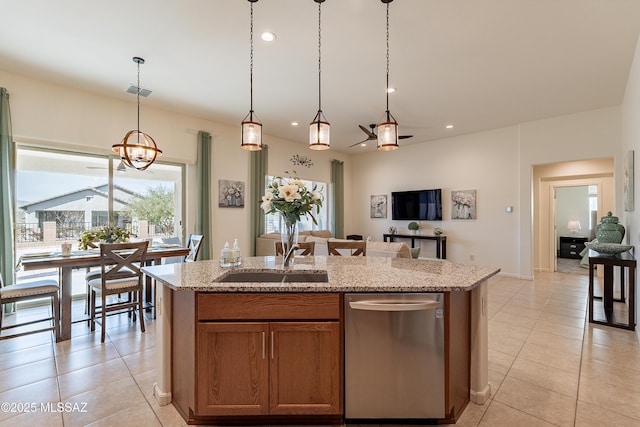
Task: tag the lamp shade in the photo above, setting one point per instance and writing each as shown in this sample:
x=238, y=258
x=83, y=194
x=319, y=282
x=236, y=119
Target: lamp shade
x=574, y=225
x=251, y=133
x=388, y=133
x=319, y=133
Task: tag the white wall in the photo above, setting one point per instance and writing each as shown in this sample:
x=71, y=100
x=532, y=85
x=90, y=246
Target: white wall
x=56, y=116
x=631, y=141
x=498, y=164
x=485, y=162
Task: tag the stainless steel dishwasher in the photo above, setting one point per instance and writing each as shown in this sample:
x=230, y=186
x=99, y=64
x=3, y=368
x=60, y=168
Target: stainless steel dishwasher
x=394, y=356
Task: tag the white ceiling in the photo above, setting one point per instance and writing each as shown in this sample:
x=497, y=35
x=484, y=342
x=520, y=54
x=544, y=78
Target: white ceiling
x=478, y=64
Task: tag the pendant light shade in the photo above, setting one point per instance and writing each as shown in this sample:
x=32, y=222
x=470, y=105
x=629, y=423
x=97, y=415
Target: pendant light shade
x=251, y=126
x=137, y=149
x=388, y=126
x=319, y=128
x=388, y=133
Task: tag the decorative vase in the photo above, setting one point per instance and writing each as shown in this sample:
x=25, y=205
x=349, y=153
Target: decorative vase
x=609, y=231
x=289, y=238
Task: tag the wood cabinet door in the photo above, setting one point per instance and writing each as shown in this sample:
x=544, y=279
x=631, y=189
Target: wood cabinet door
x=232, y=369
x=305, y=368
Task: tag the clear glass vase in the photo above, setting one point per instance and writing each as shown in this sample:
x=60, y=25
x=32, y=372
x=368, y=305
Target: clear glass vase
x=289, y=237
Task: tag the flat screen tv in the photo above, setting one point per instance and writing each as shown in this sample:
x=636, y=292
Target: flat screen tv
x=417, y=205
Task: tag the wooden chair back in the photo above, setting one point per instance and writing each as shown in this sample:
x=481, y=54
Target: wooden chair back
x=195, y=240
x=308, y=248
x=357, y=247
x=118, y=260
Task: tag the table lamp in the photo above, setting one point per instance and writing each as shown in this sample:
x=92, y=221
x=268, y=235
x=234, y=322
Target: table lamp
x=574, y=226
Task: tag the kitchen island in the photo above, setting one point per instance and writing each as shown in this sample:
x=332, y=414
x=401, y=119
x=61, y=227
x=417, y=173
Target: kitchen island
x=292, y=333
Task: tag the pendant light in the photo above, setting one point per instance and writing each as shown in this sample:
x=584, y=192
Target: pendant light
x=251, y=126
x=137, y=149
x=388, y=126
x=319, y=128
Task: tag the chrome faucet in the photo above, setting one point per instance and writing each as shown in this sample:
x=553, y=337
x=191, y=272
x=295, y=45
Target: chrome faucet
x=290, y=253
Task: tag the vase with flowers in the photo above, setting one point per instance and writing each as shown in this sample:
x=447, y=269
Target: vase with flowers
x=291, y=198
x=109, y=234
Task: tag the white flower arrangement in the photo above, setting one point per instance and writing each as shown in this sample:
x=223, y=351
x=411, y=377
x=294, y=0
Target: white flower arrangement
x=463, y=199
x=292, y=199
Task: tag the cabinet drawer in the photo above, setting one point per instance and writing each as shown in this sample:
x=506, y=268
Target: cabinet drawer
x=286, y=306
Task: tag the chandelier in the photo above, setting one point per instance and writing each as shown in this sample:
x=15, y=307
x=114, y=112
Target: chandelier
x=137, y=149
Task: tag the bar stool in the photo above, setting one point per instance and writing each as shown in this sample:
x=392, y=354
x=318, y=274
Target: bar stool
x=48, y=288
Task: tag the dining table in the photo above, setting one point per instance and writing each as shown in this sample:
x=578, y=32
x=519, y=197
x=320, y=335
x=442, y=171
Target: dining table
x=84, y=259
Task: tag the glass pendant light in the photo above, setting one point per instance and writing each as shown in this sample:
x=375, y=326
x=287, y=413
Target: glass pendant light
x=319, y=128
x=251, y=126
x=137, y=149
x=388, y=126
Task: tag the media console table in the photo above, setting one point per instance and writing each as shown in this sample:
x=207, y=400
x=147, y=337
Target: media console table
x=441, y=242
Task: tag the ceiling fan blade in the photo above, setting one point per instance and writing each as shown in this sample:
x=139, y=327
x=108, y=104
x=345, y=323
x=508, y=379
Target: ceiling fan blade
x=368, y=132
x=358, y=143
x=404, y=136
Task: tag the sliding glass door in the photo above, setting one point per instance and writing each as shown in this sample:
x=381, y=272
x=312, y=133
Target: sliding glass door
x=61, y=194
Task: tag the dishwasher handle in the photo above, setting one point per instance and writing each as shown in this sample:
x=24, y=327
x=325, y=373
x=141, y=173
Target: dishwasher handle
x=394, y=306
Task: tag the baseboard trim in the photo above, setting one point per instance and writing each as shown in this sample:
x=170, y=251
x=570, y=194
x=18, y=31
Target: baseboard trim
x=163, y=398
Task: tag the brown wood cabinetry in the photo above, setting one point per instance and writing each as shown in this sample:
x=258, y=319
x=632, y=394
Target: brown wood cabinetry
x=258, y=356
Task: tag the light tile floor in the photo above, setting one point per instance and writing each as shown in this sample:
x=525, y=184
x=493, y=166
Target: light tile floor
x=546, y=367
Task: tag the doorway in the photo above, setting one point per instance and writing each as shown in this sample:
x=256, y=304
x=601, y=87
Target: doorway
x=549, y=177
x=575, y=211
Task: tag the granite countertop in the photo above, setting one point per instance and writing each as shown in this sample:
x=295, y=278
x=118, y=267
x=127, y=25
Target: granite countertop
x=346, y=274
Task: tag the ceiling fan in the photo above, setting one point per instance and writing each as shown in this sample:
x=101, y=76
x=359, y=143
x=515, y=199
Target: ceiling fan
x=371, y=136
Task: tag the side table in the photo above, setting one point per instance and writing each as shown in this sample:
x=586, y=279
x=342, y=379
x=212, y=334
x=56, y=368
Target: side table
x=624, y=261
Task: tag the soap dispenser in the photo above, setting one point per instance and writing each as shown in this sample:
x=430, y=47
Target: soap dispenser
x=225, y=256
x=236, y=252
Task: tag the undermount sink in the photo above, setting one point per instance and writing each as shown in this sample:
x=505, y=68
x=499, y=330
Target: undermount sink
x=273, y=277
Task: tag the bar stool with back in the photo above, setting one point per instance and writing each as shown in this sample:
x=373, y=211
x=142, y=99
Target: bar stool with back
x=120, y=273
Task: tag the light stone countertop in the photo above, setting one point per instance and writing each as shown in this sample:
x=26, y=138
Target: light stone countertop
x=346, y=274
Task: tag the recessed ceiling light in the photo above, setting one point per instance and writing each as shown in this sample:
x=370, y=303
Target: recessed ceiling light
x=268, y=36
x=363, y=144
x=449, y=126
x=294, y=123
x=391, y=89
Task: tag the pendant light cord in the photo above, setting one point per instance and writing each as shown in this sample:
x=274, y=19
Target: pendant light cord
x=251, y=65
x=319, y=56
x=387, y=88
x=138, y=99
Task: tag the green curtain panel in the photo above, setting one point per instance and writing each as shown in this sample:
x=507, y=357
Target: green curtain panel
x=203, y=194
x=337, y=198
x=7, y=173
x=258, y=168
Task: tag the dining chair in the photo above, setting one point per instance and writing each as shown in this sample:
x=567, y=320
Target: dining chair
x=356, y=247
x=308, y=248
x=120, y=274
x=195, y=241
x=46, y=288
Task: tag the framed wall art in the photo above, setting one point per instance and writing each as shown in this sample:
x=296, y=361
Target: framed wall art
x=379, y=206
x=231, y=194
x=463, y=204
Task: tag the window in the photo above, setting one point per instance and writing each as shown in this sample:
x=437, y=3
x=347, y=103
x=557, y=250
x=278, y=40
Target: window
x=272, y=221
x=61, y=194
x=593, y=204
